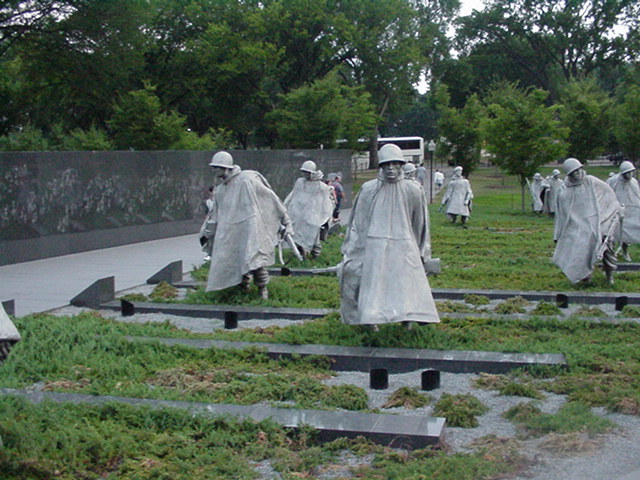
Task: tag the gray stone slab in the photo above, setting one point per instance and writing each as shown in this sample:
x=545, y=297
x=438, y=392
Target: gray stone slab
x=395, y=430
x=218, y=311
x=548, y=296
x=9, y=307
x=171, y=274
x=628, y=267
x=395, y=360
x=99, y=292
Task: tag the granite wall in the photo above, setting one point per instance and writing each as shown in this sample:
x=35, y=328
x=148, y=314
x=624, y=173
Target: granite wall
x=56, y=203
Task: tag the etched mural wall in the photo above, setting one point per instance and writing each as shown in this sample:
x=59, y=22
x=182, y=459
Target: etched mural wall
x=54, y=203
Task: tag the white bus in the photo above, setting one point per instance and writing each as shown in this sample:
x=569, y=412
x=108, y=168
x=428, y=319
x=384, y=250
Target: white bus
x=412, y=147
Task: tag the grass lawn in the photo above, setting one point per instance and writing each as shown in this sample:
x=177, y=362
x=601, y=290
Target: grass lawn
x=501, y=248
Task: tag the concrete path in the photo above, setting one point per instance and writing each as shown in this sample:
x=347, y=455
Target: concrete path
x=42, y=285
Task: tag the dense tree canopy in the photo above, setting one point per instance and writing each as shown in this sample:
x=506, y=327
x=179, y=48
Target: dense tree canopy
x=251, y=73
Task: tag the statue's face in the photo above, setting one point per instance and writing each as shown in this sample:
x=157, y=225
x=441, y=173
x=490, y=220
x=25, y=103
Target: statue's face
x=627, y=176
x=391, y=170
x=220, y=172
x=577, y=175
x=306, y=175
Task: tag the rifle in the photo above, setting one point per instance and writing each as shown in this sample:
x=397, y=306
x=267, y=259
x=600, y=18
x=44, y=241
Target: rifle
x=605, y=240
x=287, y=237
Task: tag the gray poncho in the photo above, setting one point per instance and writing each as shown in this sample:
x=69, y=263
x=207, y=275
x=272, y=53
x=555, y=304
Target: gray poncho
x=586, y=211
x=244, y=224
x=628, y=195
x=458, y=196
x=309, y=206
x=382, y=278
x=551, y=193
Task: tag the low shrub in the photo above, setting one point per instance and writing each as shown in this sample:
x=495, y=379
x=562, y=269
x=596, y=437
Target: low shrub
x=459, y=410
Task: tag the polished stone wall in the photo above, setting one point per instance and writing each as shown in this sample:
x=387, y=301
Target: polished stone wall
x=55, y=203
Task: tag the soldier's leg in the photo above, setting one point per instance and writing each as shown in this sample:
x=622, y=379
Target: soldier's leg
x=246, y=281
x=261, y=278
x=609, y=263
x=625, y=252
x=316, y=250
x=452, y=217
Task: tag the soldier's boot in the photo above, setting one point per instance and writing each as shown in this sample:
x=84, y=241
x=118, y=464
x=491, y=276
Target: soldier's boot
x=245, y=283
x=315, y=251
x=261, y=278
x=263, y=292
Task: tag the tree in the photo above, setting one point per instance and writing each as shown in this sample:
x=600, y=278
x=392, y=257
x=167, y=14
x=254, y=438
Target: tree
x=461, y=128
x=627, y=120
x=586, y=112
x=550, y=38
x=322, y=113
x=386, y=43
x=521, y=131
x=139, y=123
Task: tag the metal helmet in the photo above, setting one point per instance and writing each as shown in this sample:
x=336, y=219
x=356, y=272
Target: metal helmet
x=390, y=153
x=571, y=165
x=409, y=167
x=308, y=166
x=626, y=167
x=555, y=172
x=222, y=159
x=457, y=170
x=537, y=176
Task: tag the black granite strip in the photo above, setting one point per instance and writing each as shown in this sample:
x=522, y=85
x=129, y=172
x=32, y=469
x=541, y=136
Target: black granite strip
x=395, y=430
x=395, y=360
x=218, y=311
x=592, y=298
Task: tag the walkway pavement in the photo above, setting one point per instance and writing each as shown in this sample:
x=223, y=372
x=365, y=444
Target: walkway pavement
x=50, y=283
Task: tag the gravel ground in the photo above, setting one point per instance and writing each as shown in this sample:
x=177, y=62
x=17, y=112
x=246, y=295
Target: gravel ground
x=611, y=456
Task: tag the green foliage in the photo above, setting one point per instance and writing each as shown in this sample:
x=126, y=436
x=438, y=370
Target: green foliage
x=348, y=397
x=512, y=305
x=627, y=117
x=459, y=410
x=406, y=397
x=572, y=417
x=630, y=311
x=522, y=131
x=292, y=291
x=321, y=113
x=135, y=297
x=586, y=111
x=26, y=139
x=138, y=122
x=92, y=139
x=461, y=129
x=586, y=311
x=545, y=308
x=118, y=440
x=520, y=390
x=474, y=299
x=163, y=291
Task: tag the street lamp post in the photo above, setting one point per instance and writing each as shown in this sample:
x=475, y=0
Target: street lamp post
x=431, y=146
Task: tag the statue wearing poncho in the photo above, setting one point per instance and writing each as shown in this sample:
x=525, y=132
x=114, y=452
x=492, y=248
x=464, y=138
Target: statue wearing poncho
x=310, y=206
x=585, y=223
x=628, y=195
x=244, y=224
x=382, y=278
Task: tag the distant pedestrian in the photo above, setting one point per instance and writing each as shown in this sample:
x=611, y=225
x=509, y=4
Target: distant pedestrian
x=338, y=190
x=438, y=180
